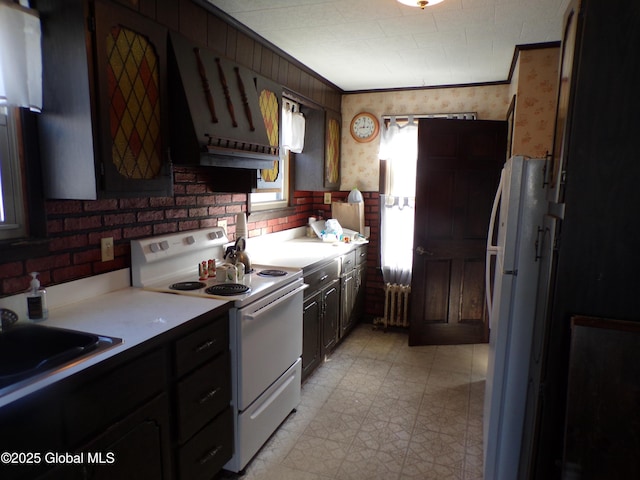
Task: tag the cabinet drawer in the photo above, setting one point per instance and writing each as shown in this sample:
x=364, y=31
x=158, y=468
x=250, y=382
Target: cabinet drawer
x=209, y=450
x=201, y=345
x=202, y=395
x=361, y=255
x=322, y=276
x=348, y=261
x=110, y=397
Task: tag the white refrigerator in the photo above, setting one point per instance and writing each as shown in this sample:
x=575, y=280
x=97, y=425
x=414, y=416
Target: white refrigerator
x=518, y=209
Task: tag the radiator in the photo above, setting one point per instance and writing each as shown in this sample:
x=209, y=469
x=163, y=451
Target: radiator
x=396, y=305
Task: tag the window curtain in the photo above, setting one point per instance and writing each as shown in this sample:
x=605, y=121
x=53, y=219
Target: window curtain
x=293, y=127
x=399, y=147
x=20, y=57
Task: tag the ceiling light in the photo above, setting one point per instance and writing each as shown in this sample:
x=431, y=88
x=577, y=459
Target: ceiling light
x=420, y=3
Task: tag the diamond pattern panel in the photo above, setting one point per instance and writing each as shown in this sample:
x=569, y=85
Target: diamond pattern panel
x=333, y=151
x=269, y=108
x=134, y=104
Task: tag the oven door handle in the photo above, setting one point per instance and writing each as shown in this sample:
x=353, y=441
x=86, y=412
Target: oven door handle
x=275, y=303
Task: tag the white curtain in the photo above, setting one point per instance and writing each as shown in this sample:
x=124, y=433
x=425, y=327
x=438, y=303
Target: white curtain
x=20, y=57
x=399, y=147
x=293, y=127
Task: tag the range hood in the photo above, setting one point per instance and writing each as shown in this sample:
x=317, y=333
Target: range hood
x=216, y=117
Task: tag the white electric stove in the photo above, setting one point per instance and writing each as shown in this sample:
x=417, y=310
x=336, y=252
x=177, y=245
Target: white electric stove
x=265, y=327
x=169, y=264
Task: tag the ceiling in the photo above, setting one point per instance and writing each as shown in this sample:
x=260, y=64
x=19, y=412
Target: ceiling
x=382, y=44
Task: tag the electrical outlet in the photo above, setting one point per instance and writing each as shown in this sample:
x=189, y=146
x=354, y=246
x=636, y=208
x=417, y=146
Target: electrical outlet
x=223, y=224
x=327, y=198
x=106, y=248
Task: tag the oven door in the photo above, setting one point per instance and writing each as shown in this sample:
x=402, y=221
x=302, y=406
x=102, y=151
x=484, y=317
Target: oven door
x=269, y=340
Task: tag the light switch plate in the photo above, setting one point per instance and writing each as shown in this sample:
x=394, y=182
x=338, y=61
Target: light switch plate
x=223, y=224
x=106, y=249
x=327, y=198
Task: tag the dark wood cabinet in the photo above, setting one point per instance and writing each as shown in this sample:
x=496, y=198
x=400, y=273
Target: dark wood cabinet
x=318, y=166
x=104, y=120
x=138, y=443
x=158, y=411
x=309, y=164
x=352, y=286
x=332, y=306
x=330, y=316
x=321, y=314
x=311, y=328
x=202, y=389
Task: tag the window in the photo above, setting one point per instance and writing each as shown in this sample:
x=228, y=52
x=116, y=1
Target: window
x=12, y=208
x=273, y=184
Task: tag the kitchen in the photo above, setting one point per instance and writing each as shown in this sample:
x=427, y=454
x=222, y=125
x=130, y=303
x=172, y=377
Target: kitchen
x=74, y=227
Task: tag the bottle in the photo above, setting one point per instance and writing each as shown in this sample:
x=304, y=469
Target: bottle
x=36, y=299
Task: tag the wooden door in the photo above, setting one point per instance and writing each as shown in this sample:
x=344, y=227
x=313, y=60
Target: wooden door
x=459, y=164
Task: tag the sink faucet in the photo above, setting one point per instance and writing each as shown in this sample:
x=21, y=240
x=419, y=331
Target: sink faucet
x=7, y=319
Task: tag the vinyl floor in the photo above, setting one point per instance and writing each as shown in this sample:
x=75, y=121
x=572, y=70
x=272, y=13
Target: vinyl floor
x=378, y=409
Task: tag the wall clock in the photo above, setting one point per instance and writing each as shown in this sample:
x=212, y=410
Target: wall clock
x=364, y=127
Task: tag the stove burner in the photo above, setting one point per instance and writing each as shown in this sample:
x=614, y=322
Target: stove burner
x=227, y=289
x=187, y=286
x=272, y=273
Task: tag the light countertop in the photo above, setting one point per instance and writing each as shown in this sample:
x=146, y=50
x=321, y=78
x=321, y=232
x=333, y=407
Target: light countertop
x=132, y=314
x=296, y=252
x=106, y=304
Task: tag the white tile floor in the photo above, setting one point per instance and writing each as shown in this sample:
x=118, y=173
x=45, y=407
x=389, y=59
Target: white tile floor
x=380, y=410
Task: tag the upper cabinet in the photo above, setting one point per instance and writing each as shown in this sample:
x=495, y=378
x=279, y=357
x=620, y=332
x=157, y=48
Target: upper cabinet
x=104, y=120
x=318, y=166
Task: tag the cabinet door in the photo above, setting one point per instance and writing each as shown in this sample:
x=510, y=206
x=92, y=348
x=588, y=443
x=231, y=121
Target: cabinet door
x=311, y=334
x=330, y=315
x=136, y=447
x=358, y=307
x=130, y=76
x=309, y=164
x=347, y=301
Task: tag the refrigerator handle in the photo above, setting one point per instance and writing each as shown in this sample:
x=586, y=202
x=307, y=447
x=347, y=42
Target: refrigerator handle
x=491, y=248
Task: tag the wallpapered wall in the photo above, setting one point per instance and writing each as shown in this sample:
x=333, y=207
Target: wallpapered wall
x=536, y=93
x=534, y=83
x=360, y=165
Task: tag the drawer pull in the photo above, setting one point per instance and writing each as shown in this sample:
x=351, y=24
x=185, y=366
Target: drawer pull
x=206, y=345
x=209, y=395
x=209, y=455
x=324, y=277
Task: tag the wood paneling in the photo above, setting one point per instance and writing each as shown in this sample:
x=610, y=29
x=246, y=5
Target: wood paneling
x=217, y=29
x=168, y=13
x=244, y=49
x=266, y=63
x=256, y=64
x=193, y=22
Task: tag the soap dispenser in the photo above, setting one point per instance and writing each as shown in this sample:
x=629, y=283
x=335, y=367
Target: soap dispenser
x=36, y=299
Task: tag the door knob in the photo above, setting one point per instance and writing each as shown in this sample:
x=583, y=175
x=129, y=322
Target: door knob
x=423, y=251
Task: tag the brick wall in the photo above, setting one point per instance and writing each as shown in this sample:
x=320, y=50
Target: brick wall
x=75, y=227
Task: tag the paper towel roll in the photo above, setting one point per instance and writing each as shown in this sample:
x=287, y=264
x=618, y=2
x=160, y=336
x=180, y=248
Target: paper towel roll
x=241, y=225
